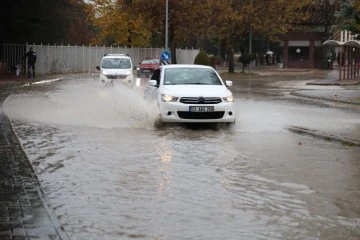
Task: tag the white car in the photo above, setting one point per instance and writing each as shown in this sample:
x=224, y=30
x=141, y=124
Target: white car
x=191, y=93
x=116, y=68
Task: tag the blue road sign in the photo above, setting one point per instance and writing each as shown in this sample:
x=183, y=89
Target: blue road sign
x=165, y=55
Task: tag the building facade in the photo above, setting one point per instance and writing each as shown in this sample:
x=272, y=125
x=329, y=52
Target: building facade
x=304, y=50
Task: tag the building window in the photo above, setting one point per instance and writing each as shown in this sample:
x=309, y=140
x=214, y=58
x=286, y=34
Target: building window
x=299, y=53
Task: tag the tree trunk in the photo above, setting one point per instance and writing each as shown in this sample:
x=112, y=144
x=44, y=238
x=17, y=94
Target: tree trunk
x=172, y=46
x=231, y=62
x=231, y=57
x=173, y=53
x=222, y=49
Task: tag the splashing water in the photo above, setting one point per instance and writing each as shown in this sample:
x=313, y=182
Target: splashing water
x=83, y=104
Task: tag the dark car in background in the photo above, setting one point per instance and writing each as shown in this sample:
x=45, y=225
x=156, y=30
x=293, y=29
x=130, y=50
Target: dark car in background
x=147, y=66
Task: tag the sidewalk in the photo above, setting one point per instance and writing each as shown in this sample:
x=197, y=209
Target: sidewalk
x=24, y=214
x=349, y=95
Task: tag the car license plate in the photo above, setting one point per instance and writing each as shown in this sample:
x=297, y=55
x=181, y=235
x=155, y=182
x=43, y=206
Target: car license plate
x=146, y=70
x=201, y=109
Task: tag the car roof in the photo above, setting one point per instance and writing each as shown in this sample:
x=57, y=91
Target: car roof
x=113, y=55
x=185, y=66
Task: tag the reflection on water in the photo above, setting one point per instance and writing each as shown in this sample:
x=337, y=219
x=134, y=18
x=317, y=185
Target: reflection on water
x=108, y=175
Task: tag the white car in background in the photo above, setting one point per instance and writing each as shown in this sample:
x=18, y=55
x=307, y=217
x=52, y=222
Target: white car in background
x=191, y=93
x=116, y=68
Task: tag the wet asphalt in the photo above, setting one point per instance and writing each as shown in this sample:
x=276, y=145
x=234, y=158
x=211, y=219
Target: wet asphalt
x=24, y=213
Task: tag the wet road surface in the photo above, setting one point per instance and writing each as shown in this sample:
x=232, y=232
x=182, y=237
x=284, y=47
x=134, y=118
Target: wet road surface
x=110, y=172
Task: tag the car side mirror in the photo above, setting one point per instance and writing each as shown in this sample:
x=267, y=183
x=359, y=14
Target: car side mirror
x=228, y=83
x=97, y=67
x=153, y=83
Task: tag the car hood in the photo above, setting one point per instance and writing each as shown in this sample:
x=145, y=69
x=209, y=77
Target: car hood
x=118, y=71
x=196, y=90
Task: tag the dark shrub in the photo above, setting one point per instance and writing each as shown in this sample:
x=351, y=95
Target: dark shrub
x=245, y=59
x=202, y=59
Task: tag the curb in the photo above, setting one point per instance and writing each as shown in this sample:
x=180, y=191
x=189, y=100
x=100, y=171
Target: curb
x=334, y=83
x=299, y=94
x=325, y=136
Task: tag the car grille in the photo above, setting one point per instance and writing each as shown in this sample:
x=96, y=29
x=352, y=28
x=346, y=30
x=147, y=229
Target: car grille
x=200, y=100
x=200, y=115
x=116, y=76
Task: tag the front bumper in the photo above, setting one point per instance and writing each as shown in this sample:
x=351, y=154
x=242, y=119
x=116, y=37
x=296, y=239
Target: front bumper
x=179, y=112
x=106, y=79
x=145, y=72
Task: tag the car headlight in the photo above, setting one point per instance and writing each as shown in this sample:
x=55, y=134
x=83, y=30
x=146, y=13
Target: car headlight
x=229, y=98
x=168, y=98
x=128, y=73
x=104, y=72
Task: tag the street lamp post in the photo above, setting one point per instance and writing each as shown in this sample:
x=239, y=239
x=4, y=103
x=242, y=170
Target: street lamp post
x=166, y=24
x=250, y=34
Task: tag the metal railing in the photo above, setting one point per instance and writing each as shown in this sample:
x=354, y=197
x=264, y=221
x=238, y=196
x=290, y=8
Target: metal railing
x=58, y=59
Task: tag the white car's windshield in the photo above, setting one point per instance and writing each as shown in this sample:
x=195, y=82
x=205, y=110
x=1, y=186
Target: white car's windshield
x=116, y=63
x=189, y=76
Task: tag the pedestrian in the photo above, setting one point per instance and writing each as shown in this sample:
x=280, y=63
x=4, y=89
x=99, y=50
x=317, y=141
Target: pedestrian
x=31, y=59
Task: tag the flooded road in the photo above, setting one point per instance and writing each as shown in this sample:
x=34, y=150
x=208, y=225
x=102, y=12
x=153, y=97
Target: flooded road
x=109, y=172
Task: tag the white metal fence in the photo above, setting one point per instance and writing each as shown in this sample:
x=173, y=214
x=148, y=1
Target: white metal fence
x=56, y=59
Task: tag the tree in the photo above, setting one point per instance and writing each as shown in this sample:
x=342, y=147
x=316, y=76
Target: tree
x=246, y=59
x=187, y=19
x=349, y=16
x=227, y=24
x=77, y=26
x=266, y=19
x=117, y=23
x=41, y=22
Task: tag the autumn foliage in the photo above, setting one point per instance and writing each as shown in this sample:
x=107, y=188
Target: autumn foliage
x=223, y=24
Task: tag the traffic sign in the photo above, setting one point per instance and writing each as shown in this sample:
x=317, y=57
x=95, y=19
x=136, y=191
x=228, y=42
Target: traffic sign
x=165, y=55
